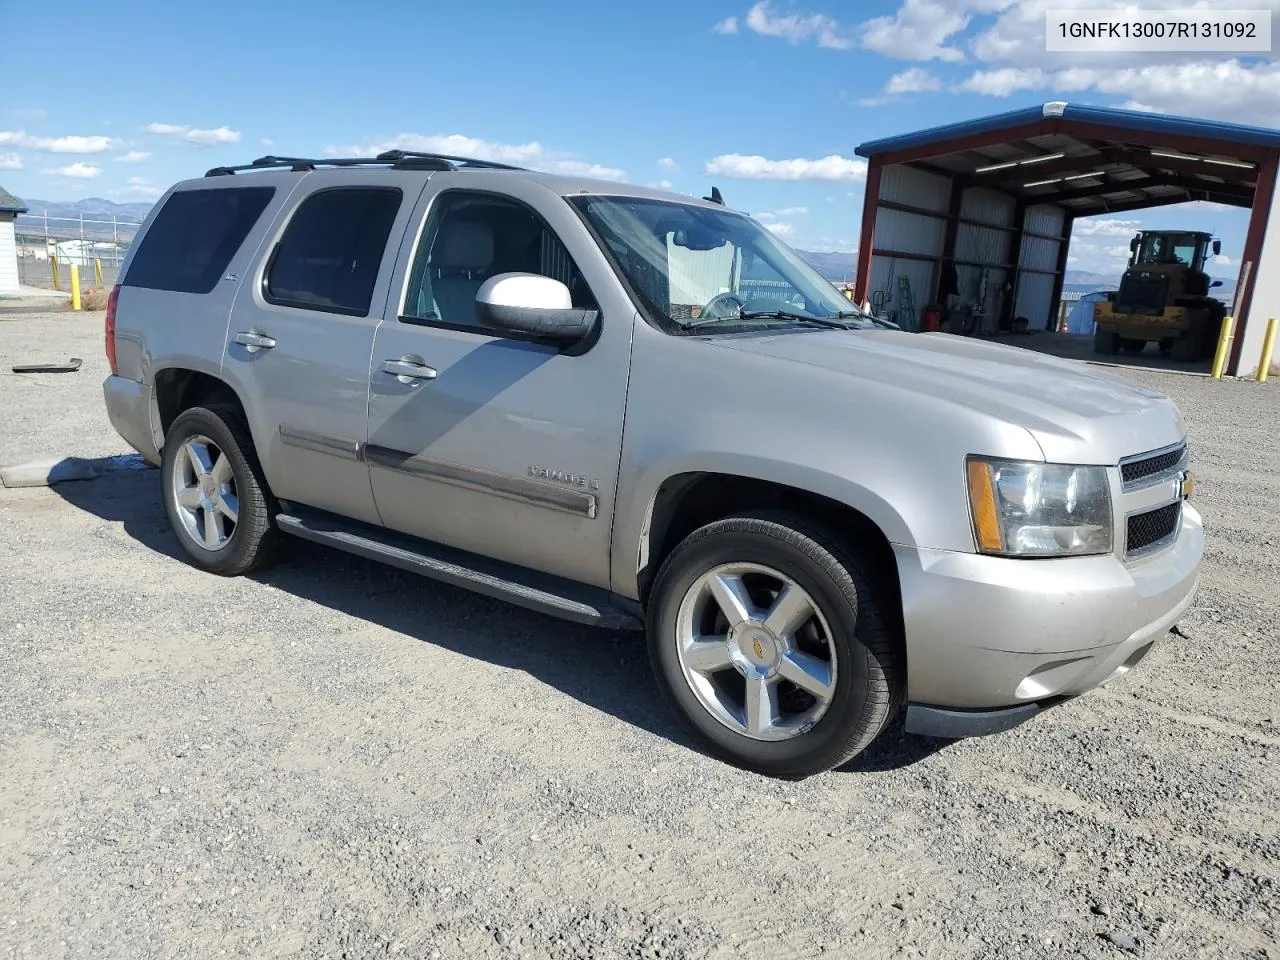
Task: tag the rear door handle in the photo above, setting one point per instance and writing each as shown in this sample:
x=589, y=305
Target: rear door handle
x=254, y=341
x=406, y=371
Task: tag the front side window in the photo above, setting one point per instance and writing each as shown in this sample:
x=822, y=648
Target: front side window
x=693, y=267
x=329, y=256
x=470, y=237
x=194, y=237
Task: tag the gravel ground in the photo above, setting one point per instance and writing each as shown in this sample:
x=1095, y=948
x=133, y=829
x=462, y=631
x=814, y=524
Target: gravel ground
x=335, y=759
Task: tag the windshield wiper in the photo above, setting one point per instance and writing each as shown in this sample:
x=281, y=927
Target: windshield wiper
x=830, y=322
x=869, y=318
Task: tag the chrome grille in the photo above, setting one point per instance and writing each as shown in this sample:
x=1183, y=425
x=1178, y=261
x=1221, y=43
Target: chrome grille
x=1150, y=467
x=1151, y=529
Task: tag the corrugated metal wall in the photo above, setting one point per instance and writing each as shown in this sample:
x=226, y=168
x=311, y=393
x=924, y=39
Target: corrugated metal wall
x=909, y=232
x=1045, y=219
x=903, y=232
x=984, y=248
x=929, y=191
x=1034, y=293
x=1035, y=290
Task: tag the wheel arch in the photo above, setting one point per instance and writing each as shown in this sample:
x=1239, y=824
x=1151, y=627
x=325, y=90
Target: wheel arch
x=685, y=501
x=180, y=388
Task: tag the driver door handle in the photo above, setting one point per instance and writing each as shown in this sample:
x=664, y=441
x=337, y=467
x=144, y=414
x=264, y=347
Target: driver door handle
x=407, y=370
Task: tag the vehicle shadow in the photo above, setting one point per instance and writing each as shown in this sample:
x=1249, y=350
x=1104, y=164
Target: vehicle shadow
x=606, y=670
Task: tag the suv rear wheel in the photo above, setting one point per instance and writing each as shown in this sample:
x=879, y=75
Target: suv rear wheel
x=768, y=638
x=214, y=492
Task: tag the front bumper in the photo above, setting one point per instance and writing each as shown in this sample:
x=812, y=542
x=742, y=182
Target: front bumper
x=129, y=406
x=985, y=633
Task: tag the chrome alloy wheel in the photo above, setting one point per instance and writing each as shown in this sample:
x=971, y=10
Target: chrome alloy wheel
x=756, y=651
x=204, y=489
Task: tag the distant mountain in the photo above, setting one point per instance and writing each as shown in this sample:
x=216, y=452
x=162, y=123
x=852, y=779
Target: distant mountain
x=93, y=208
x=833, y=266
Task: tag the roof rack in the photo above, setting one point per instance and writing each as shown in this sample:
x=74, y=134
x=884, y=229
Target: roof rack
x=396, y=159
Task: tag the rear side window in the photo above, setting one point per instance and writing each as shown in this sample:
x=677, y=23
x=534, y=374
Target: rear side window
x=194, y=237
x=329, y=256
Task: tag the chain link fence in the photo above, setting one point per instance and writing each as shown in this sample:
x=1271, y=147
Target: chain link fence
x=48, y=247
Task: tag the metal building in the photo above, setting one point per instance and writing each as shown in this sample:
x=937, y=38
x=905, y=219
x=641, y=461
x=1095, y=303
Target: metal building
x=986, y=206
x=10, y=207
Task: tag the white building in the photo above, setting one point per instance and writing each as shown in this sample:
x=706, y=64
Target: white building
x=10, y=207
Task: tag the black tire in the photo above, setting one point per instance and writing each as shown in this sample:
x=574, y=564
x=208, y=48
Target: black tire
x=1187, y=347
x=1132, y=346
x=1166, y=346
x=1106, y=342
x=870, y=672
x=253, y=541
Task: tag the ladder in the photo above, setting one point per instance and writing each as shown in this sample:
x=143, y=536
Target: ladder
x=906, y=304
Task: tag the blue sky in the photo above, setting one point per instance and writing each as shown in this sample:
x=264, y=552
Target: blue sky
x=767, y=99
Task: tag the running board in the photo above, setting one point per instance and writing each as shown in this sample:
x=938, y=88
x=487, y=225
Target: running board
x=493, y=578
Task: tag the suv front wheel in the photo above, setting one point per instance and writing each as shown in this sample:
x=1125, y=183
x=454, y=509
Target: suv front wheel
x=767, y=636
x=214, y=492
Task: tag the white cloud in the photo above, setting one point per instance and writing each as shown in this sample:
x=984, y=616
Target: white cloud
x=10, y=161
x=665, y=184
x=1227, y=89
x=784, y=212
x=727, y=26
x=203, y=137
x=133, y=156
x=1223, y=260
x=919, y=30
x=797, y=27
x=667, y=163
x=914, y=80
x=73, y=144
x=531, y=154
x=217, y=135
x=1002, y=82
x=833, y=167
x=78, y=171
x=781, y=229
x=138, y=188
x=1102, y=227
x=267, y=143
x=1142, y=107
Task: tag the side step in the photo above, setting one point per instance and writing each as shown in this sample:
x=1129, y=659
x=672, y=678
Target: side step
x=502, y=581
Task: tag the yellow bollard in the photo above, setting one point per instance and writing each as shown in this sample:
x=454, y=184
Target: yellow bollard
x=53, y=262
x=97, y=273
x=1268, y=345
x=75, y=287
x=1224, y=346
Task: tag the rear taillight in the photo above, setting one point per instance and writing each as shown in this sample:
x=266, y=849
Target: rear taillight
x=111, y=328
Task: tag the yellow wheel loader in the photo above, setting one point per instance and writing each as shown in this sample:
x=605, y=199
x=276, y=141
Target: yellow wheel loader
x=1163, y=297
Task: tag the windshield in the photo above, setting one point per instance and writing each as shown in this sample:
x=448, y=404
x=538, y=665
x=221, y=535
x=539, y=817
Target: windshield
x=711, y=269
x=1183, y=248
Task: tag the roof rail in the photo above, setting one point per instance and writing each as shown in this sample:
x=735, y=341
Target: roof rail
x=396, y=159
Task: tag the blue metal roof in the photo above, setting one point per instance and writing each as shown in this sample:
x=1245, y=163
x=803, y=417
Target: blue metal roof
x=1080, y=113
x=10, y=204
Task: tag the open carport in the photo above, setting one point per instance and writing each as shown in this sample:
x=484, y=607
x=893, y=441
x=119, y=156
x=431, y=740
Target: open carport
x=984, y=208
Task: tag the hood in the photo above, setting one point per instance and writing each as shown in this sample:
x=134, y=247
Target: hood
x=1075, y=413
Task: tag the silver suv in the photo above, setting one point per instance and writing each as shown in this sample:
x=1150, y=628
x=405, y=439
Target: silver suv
x=634, y=409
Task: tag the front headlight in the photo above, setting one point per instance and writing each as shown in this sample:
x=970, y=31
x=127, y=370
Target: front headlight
x=1024, y=509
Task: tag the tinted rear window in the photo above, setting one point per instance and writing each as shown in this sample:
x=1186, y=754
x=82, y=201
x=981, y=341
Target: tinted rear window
x=194, y=237
x=329, y=256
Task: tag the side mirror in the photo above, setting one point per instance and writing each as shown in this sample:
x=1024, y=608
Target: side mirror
x=1133, y=244
x=1217, y=247
x=1216, y=283
x=532, y=304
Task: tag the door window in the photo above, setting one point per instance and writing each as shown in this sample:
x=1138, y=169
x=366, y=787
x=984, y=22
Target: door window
x=329, y=256
x=470, y=237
